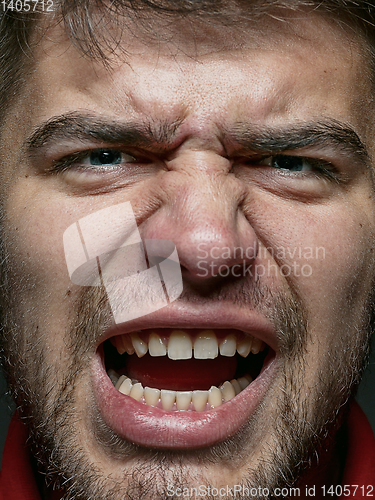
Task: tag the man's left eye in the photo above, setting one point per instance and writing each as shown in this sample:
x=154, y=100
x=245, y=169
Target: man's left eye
x=105, y=157
x=289, y=163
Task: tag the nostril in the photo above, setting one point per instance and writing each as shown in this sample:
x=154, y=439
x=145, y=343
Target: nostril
x=211, y=235
x=205, y=284
x=214, y=261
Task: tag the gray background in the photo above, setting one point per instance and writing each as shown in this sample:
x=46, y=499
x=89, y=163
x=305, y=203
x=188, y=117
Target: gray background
x=366, y=398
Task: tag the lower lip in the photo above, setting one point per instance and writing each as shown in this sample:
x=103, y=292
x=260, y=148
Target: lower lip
x=156, y=428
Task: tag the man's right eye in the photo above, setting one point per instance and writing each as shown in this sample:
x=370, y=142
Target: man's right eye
x=104, y=157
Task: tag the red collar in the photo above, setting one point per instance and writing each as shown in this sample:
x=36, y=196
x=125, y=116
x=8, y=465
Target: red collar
x=360, y=460
x=17, y=481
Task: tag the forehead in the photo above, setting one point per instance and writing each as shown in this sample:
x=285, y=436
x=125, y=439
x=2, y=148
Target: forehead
x=304, y=69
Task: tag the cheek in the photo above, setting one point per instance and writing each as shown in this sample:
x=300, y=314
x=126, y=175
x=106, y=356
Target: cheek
x=44, y=301
x=329, y=252
x=35, y=247
x=33, y=227
x=324, y=253
x=341, y=263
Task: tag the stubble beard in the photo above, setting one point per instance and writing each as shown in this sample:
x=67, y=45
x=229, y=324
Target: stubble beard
x=46, y=399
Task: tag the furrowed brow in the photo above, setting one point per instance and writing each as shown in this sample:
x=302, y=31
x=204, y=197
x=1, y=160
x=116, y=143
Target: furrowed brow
x=298, y=136
x=85, y=127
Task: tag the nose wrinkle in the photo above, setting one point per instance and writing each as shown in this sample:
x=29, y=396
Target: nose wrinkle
x=203, y=216
x=105, y=248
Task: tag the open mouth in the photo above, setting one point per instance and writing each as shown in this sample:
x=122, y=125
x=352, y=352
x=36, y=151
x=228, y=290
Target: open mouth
x=184, y=370
x=164, y=383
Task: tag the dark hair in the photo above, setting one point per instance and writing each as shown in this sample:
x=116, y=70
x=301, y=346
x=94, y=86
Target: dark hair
x=88, y=22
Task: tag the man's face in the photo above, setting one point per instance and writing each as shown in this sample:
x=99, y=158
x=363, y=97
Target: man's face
x=248, y=159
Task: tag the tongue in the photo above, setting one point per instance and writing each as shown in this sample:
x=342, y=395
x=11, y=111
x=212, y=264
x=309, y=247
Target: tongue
x=185, y=375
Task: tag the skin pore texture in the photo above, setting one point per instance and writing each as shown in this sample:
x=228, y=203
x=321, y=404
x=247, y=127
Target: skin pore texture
x=205, y=179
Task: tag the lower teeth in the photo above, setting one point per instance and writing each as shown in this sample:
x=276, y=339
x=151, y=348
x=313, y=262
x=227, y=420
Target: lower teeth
x=179, y=400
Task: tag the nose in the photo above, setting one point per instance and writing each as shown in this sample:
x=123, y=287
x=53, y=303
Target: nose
x=202, y=215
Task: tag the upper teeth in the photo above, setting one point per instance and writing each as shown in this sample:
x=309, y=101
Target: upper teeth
x=180, y=345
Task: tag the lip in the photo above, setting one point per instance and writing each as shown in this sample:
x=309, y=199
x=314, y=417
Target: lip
x=214, y=316
x=156, y=428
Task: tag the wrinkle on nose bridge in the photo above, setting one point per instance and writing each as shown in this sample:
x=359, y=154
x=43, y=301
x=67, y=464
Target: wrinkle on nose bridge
x=203, y=210
x=198, y=161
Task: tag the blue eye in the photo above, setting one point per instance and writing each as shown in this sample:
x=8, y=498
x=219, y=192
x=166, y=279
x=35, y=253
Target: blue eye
x=100, y=160
x=103, y=157
x=289, y=163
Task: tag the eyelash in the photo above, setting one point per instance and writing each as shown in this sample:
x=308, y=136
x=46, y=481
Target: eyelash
x=67, y=162
x=319, y=168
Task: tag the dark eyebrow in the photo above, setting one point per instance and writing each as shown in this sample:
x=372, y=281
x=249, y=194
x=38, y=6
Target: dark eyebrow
x=298, y=136
x=84, y=127
x=157, y=136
